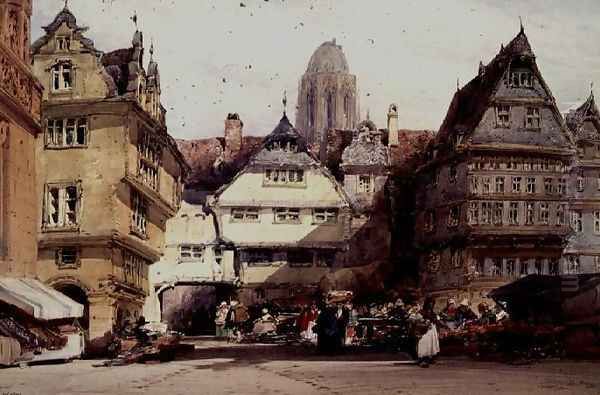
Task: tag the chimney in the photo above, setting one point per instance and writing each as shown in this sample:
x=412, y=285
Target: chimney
x=233, y=137
x=392, y=125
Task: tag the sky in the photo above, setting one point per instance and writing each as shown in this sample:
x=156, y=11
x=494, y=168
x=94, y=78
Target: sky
x=222, y=56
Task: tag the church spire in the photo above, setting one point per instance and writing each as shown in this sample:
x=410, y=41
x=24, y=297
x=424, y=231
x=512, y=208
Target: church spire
x=284, y=101
x=522, y=30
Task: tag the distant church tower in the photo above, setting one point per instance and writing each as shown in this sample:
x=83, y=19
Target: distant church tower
x=327, y=95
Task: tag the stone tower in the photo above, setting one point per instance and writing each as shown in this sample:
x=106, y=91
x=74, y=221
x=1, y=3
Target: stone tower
x=327, y=95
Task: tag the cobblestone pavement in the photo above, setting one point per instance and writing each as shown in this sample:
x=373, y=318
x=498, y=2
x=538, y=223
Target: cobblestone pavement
x=217, y=368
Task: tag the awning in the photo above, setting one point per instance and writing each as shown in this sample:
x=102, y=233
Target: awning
x=37, y=299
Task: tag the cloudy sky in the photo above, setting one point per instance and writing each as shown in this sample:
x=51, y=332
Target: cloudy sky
x=221, y=56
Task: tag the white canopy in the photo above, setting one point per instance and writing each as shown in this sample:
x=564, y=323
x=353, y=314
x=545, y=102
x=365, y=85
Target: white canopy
x=37, y=299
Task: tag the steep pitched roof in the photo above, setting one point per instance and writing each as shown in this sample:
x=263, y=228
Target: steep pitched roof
x=584, y=122
x=470, y=103
x=64, y=16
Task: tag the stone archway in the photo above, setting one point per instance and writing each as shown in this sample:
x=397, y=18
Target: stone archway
x=78, y=292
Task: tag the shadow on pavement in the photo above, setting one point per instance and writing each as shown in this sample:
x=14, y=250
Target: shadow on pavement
x=240, y=355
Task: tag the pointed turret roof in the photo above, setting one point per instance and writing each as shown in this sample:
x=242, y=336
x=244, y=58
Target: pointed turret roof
x=584, y=122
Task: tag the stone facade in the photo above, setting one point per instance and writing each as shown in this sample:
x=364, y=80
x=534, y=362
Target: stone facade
x=327, y=95
x=20, y=109
x=493, y=199
x=109, y=174
x=583, y=251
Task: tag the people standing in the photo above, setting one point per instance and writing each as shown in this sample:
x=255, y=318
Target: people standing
x=220, y=319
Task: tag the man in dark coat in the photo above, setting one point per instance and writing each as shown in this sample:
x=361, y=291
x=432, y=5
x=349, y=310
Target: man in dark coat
x=327, y=330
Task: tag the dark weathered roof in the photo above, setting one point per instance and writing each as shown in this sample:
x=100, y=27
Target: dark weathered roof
x=285, y=132
x=584, y=122
x=470, y=102
x=366, y=149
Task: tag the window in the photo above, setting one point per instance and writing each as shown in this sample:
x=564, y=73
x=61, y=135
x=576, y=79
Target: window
x=597, y=263
x=456, y=259
x=554, y=266
x=433, y=262
x=287, y=215
x=598, y=182
x=134, y=269
x=548, y=186
x=532, y=119
x=513, y=213
x=530, y=184
x=325, y=258
x=516, y=184
x=365, y=184
x=544, y=214
x=63, y=43
x=562, y=186
x=524, y=267
x=577, y=221
x=502, y=116
x=244, y=214
x=474, y=184
x=190, y=252
x=573, y=266
x=480, y=266
x=330, y=110
x=139, y=214
x=61, y=76
x=486, y=213
x=452, y=174
x=580, y=182
x=67, y=258
x=521, y=79
x=529, y=213
x=284, y=177
x=498, y=213
x=511, y=268
x=435, y=178
x=486, y=185
x=597, y=222
x=561, y=214
x=150, y=153
x=473, y=213
x=62, y=205
x=499, y=184
x=325, y=215
x=71, y=132
x=258, y=257
x=496, y=269
x=454, y=216
x=300, y=258
x=539, y=266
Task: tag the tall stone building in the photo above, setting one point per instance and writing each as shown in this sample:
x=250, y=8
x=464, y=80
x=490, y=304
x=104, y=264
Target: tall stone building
x=109, y=174
x=327, y=95
x=493, y=199
x=583, y=251
x=20, y=100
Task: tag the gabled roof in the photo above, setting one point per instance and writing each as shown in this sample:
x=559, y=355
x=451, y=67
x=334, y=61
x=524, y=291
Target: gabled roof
x=470, y=103
x=577, y=119
x=64, y=16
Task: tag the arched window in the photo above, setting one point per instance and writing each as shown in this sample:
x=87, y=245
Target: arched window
x=330, y=109
x=347, y=111
x=310, y=109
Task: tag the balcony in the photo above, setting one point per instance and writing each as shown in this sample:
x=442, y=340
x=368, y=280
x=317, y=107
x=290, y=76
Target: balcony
x=17, y=83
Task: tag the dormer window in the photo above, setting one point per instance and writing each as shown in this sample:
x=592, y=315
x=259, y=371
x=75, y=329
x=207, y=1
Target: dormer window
x=521, y=79
x=503, y=116
x=62, y=77
x=63, y=44
x=283, y=177
x=533, y=119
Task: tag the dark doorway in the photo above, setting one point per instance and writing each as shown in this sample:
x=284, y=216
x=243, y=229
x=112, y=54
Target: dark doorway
x=77, y=294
